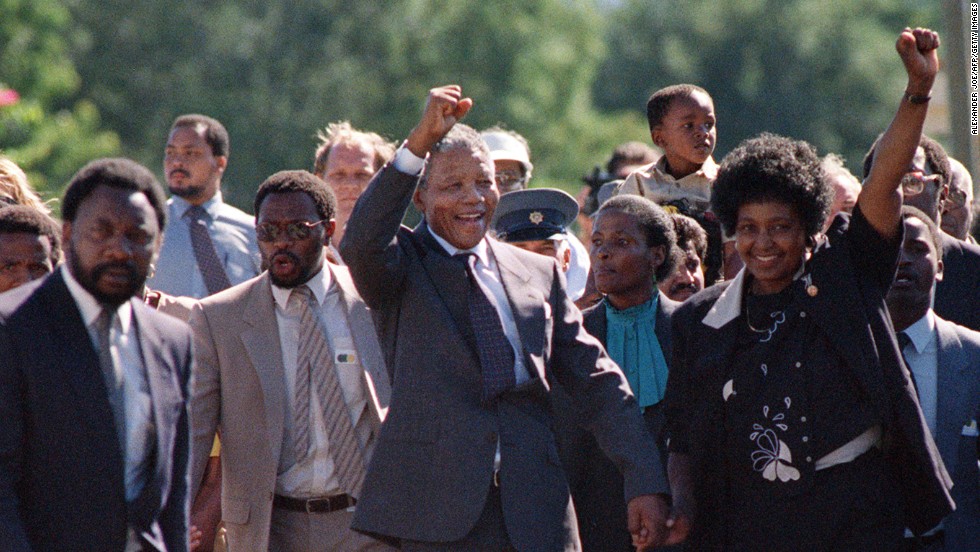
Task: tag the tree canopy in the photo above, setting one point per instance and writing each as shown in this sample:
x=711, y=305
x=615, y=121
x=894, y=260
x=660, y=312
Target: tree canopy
x=573, y=76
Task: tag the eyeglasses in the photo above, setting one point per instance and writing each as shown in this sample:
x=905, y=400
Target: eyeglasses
x=914, y=182
x=956, y=197
x=269, y=232
x=509, y=179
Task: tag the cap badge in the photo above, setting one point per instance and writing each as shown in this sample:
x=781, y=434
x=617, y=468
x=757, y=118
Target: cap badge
x=536, y=217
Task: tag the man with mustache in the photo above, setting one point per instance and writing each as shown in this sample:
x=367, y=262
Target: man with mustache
x=291, y=373
x=208, y=245
x=687, y=277
x=944, y=359
x=94, y=430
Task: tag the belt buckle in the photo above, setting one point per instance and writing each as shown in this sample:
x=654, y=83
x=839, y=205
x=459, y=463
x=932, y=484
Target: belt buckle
x=312, y=502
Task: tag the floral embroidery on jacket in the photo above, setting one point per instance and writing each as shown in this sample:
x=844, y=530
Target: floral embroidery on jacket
x=772, y=456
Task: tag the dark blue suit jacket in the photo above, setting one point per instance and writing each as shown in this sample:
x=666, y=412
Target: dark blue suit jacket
x=61, y=469
x=958, y=293
x=957, y=404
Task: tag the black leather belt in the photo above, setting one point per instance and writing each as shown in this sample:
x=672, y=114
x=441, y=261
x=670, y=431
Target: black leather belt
x=314, y=505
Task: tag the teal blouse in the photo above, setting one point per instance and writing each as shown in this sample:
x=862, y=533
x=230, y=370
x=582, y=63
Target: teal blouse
x=631, y=341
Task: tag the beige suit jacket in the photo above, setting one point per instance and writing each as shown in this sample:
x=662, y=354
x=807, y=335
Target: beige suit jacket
x=239, y=387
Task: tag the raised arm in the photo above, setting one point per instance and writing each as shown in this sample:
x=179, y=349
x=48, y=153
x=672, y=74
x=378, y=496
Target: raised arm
x=881, y=197
x=370, y=247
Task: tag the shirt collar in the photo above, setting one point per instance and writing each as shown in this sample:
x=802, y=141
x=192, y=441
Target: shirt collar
x=728, y=306
x=89, y=307
x=480, y=249
x=210, y=206
x=922, y=331
x=643, y=311
x=708, y=170
x=319, y=284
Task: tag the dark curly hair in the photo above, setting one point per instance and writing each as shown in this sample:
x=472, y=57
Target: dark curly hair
x=771, y=168
x=118, y=172
x=28, y=220
x=215, y=133
x=299, y=181
x=937, y=160
x=690, y=235
x=659, y=102
x=653, y=221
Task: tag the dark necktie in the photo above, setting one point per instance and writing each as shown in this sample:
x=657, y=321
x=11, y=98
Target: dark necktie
x=215, y=278
x=904, y=341
x=316, y=370
x=112, y=377
x=496, y=353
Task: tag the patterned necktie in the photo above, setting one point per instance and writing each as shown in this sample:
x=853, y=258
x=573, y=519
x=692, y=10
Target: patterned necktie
x=113, y=378
x=215, y=278
x=316, y=371
x=904, y=341
x=496, y=353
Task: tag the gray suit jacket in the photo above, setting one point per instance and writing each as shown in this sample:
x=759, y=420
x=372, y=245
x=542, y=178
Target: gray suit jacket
x=958, y=360
x=239, y=388
x=433, y=465
x=61, y=469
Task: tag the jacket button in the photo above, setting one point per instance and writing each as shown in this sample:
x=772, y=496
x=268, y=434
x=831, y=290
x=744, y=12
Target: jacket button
x=492, y=437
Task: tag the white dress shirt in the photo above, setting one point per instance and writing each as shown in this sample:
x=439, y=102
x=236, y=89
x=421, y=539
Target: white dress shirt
x=315, y=476
x=921, y=355
x=127, y=359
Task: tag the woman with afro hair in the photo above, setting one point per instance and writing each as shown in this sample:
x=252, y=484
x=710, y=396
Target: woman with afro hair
x=793, y=421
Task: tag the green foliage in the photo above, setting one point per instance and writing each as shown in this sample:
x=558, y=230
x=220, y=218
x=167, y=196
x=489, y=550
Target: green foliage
x=571, y=75
x=825, y=72
x=48, y=132
x=275, y=72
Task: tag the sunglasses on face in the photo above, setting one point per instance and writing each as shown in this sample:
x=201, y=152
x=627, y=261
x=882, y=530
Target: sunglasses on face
x=914, y=183
x=293, y=231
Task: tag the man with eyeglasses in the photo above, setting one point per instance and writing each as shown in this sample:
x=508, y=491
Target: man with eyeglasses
x=926, y=187
x=291, y=373
x=512, y=167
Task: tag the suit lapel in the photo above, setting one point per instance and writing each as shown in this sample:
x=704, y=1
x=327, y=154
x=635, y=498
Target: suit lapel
x=79, y=362
x=450, y=282
x=526, y=303
x=595, y=322
x=260, y=339
x=951, y=385
x=165, y=400
x=365, y=338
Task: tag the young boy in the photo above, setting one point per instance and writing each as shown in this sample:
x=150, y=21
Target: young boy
x=682, y=124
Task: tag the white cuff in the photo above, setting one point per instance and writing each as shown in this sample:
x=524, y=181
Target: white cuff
x=407, y=162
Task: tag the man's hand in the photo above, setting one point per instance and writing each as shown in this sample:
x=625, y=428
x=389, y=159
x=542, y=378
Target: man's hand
x=444, y=107
x=917, y=49
x=651, y=523
x=646, y=517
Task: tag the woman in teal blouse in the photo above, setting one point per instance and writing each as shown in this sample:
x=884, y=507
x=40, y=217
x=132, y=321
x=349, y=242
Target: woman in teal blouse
x=632, y=246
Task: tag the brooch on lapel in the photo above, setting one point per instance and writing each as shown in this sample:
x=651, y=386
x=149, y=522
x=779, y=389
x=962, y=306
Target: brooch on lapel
x=811, y=289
